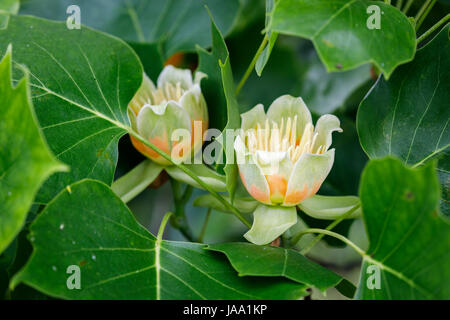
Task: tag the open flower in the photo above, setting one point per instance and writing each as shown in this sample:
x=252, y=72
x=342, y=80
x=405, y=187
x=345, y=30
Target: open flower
x=282, y=158
x=165, y=114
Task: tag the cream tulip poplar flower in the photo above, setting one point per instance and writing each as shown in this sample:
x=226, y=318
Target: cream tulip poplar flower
x=283, y=159
x=175, y=103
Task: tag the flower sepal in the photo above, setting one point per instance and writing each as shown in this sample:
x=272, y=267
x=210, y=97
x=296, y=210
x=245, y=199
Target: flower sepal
x=270, y=222
x=331, y=207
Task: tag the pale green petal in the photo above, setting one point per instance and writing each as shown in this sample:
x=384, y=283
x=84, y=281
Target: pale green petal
x=325, y=126
x=208, y=176
x=194, y=103
x=288, y=106
x=307, y=176
x=158, y=123
x=143, y=95
x=174, y=75
x=154, y=121
x=252, y=117
x=330, y=207
x=251, y=174
x=269, y=223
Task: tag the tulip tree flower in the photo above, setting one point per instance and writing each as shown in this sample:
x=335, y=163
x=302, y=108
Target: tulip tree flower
x=282, y=161
x=176, y=103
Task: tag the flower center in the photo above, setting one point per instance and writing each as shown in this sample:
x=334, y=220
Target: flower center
x=272, y=138
x=167, y=92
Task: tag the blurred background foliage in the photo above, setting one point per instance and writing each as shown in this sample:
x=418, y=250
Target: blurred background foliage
x=293, y=68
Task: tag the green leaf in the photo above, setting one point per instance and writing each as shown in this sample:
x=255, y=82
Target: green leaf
x=443, y=170
x=330, y=207
x=233, y=123
x=25, y=159
x=81, y=82
x=269, y=223
x=179, y=25
x=408, y=115
x=338, y=29
x=253, y=260
x=119, y=259
x=207, y=175
x=222, y=104
x=244, y=205
x=272, y=38
x=325, y=92
x=409, y=242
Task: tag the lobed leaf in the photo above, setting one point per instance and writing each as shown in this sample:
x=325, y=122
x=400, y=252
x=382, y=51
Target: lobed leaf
x=90, y=227
x=25, y=159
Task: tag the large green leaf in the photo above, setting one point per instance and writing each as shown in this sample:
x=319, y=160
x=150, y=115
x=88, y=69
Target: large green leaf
x=325, y=92
x=253, y=260
x=25, y=160
x=178, y=24
x=409, y=241
x=81, y=82
x=339, y=32
x=408, y=115
x=90, y=227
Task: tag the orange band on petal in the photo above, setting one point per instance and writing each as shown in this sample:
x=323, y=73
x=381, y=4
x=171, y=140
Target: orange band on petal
x=258, y=194
x=277, y=186
x=150, y=153
x=296, y=196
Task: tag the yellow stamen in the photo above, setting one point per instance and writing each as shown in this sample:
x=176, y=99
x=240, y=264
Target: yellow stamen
x=269, y=137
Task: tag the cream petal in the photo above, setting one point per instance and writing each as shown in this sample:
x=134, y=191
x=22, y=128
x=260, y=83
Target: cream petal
x=325, y=126
x=143, y=95
x=157, y=123
x=252, y=117
x=251, y=174
x=288, y=106
x=194, y=103
x=269, y=223
x=307, y=176
x=330, y=207
x=174, y=75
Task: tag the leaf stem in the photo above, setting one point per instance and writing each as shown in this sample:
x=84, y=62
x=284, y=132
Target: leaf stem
x=329, y=228
x=252, y=64
x=407, y=6
x=421, y=11
x=189, y=173
x=335, y=235
x=433, y=28
x=425, y=14
x=399, y=4
x=162, y=226
x=179, y=220
x=205, y=224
